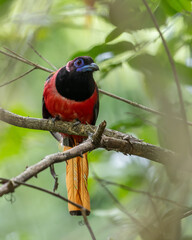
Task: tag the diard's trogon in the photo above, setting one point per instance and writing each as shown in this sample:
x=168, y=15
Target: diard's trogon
x=71, y=94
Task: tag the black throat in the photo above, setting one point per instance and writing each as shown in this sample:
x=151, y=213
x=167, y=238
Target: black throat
x=77, y=86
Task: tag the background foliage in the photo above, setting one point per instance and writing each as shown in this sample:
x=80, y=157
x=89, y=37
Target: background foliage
x=120, y=36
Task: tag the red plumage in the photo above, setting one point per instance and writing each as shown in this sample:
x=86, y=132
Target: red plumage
x=66, y=109
x=71, y=94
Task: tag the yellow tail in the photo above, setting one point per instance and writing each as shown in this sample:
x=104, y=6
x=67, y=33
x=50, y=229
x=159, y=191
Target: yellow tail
x=76, y=180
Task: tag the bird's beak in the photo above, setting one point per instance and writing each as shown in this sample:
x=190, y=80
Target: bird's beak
x=88, y=68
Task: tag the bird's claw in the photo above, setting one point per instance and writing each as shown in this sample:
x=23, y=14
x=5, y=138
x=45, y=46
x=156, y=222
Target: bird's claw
x=76, y=122
x=90, y=135
x=56, y=118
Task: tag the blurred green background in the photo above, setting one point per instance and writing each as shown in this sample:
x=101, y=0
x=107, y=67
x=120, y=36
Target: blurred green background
x=121, y=37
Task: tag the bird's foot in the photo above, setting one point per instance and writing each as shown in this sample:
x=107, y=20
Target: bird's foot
x=56, y=118
x=76, y=122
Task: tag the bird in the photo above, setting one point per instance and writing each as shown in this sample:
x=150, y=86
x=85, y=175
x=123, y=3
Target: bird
x=71, y=94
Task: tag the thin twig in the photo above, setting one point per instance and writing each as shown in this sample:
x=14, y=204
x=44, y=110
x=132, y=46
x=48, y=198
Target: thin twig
x=12, y=181
x=123, y=209
x=47, y=61
x=147, y=109
x=20, y=58
x=87, y=224
x=127, y=188
x=173, y=67
x=13, y=52
x=132, y=103
x=24, y=74
x=4, y=180
x=187, y=214
x=160, y=228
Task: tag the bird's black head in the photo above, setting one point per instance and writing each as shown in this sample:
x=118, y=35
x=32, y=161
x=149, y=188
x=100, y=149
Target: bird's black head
x=82, y=64
x=75, y=80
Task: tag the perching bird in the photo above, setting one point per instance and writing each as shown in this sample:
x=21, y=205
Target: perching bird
x=71, y=94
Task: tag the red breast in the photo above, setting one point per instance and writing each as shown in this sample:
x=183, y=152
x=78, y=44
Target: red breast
x=68, y=109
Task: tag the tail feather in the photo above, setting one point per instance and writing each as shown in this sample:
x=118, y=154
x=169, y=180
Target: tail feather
x=76, y=180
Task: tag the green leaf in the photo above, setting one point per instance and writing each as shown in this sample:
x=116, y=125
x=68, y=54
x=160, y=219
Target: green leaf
x=113, y=34
x=149, y=64
x=184, y=73
x=156, y=66
x=115, y=49
x=172, y=7
x=132, y=15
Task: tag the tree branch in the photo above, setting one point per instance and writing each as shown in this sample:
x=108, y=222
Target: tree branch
x=33, y=170
x=111, y=140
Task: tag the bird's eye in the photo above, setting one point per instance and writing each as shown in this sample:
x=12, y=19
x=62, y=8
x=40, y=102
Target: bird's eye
x=79, y=62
